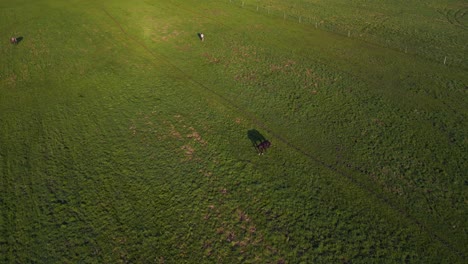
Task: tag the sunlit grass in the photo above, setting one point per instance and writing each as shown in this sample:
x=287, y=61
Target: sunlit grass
x=123, y=138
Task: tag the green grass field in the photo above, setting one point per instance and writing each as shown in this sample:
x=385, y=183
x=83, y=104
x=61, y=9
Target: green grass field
x=125, y=139
x=435, y=30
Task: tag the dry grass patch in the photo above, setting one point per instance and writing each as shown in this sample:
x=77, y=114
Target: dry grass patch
x=188, y=151
x=211, y=59
x=195, y=135
x=10, y=81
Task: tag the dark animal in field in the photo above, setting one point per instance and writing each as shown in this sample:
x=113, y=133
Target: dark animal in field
x=259, y=142
x=262, y=147
x=201, y=36
x=15, y=40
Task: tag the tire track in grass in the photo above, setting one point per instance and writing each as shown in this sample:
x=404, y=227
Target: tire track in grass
x=382, y=198
x=455, y=17
x=459, y=15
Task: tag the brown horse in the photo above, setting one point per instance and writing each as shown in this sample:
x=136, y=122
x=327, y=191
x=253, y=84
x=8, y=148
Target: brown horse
x=262, y=147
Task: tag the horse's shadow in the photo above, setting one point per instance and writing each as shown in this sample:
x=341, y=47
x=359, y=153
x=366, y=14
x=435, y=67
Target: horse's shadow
x=255, y=137
x=259, y=142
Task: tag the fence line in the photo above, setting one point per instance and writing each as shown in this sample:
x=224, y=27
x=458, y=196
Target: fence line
x=427, y=52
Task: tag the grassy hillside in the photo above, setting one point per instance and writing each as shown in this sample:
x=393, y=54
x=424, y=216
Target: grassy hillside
x=124, y=138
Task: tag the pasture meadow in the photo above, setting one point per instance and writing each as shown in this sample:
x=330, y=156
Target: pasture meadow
x=124, y=138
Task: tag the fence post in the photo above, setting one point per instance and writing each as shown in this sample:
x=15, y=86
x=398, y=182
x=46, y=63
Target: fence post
x=257, y=8
x=445, y=60
x=300, y=19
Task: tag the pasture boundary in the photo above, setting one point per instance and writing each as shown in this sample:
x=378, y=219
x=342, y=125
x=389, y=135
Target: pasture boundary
x=311, y=157
x=447, y=59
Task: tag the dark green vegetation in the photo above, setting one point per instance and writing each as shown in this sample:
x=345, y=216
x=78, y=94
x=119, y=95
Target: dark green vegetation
x=123, y=138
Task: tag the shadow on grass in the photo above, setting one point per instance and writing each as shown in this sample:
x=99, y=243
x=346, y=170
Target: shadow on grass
x=259, y=142
x=255, y=137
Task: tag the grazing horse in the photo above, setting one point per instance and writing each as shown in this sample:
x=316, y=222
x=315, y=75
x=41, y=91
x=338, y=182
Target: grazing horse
x=14, y=41
x=262, y=147
x=201, y=36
